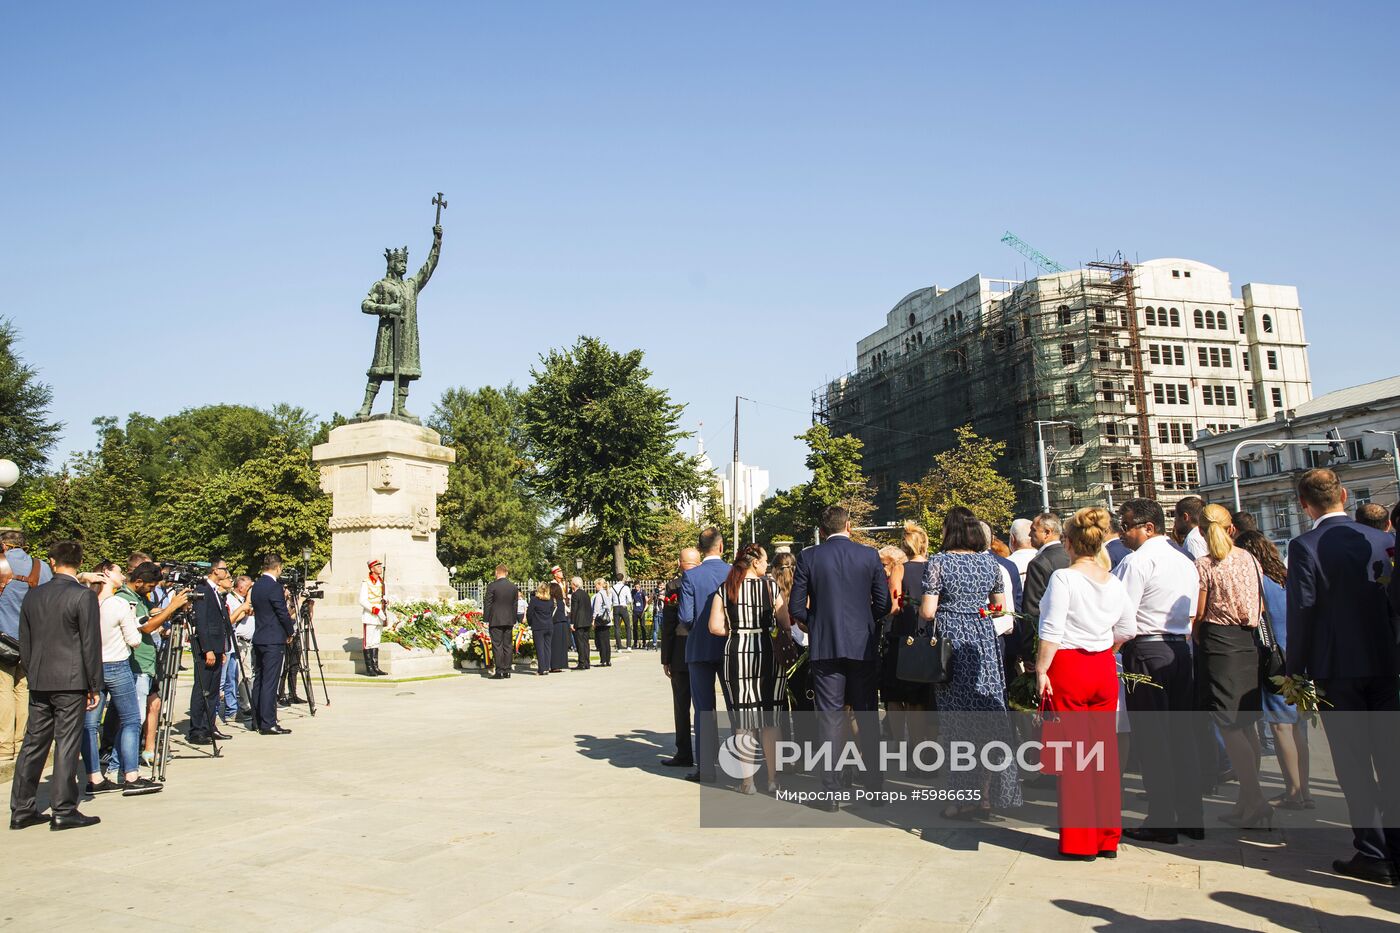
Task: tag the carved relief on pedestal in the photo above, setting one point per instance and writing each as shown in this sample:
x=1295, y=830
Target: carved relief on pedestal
x=347, y=522
x=387, y=475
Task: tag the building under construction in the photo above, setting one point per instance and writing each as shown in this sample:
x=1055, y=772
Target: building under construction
x=1129, y=361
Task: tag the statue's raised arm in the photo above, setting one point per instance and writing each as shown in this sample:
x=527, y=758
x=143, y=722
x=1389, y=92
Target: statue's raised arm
x=426, y=272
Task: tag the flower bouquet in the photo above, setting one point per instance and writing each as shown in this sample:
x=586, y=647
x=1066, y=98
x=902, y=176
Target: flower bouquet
x=1300, y=692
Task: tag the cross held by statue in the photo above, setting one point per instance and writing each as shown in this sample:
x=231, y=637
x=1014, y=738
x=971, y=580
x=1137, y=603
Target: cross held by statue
x=440, y=202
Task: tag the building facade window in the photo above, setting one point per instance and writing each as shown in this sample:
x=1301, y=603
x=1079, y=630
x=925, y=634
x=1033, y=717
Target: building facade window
x=1065, y=316
x=1150, y=316
x=1277, y=395
x=1220, y=476
x=1076, y=435
x=1198, y=318
x=1268, y=324
x=1066, y=354
x=1273, y=359
x=1356, y=450
x=1175, y=317
x=1273, y=464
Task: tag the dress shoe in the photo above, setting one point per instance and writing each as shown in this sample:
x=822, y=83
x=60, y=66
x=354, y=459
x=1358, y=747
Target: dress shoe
x=275, y=730
x=1365, y=868
x=1108, y=853
x=24, y=822
x=284, y=702
x=297, y=699
x=1166, y=837
x=1071, y=857
x=198, y=738
x=678, y=762
x=220, y=736
x=74, y=821
x=696, y=777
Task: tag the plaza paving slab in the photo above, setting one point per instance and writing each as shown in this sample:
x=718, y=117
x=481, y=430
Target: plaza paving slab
x=540, y=803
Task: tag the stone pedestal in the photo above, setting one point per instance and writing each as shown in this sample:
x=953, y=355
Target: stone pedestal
x=384, y=477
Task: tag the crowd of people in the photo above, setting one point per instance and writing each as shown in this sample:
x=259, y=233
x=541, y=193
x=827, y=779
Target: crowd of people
x=564, y=616
x=86, y=660
x=1219, y=639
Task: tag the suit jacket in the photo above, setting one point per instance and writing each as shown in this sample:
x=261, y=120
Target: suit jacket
x=672, y=644
x=1340, y=623
x=211, y=626
x=273, y=624
x=60, y=636
x=1038, y=572
x=581, y=609
x=1016, y=590
x=698, y=587
x=840, y=592
x=498, y=608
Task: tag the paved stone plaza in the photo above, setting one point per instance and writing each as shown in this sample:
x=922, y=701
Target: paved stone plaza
x=540, y=804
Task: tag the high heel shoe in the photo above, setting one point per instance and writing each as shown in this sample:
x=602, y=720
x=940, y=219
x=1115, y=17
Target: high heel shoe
x=1261, y=817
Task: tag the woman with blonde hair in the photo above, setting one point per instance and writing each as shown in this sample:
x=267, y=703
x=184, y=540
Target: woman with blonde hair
x=1227, y=666
x=1085, y=615
x=902, y=694
x=540, y=614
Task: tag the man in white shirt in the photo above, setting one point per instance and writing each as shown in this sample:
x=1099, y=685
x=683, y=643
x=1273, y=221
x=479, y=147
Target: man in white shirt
x=1186, y=527
x=1022, y=551
x=620, y=601
x=1163, y=587
x=240, y=613
x=602, y=620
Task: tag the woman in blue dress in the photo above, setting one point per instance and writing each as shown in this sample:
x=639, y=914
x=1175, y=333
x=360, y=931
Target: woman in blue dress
x=1290, y=731
x=959, y=583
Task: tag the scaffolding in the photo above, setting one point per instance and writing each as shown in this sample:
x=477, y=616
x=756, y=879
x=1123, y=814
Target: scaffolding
x=1060, y=347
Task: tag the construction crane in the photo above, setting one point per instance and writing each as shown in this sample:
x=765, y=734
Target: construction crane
x=1031, y=253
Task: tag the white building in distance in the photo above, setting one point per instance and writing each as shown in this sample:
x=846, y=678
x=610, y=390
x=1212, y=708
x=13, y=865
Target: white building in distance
x=1364, y=417
x=751, y=487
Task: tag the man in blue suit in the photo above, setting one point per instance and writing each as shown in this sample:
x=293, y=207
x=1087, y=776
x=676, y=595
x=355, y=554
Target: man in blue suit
x=272, y=633
x=704, y=653
x=839, y=594
x=1341, y=633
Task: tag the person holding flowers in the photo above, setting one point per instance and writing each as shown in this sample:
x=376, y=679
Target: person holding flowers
x=1085, y=616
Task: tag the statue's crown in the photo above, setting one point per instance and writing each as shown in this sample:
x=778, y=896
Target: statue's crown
x=392, y=254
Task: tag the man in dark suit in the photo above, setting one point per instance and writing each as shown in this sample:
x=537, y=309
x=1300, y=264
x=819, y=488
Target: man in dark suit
x=273, y=630
x=498, y=610
x=1342, y=634
x=581, y=623
x=60, y=644
x=208, y=647
x=839, y=593
x=667, y=615
x=704, y=652
x=1045, y=535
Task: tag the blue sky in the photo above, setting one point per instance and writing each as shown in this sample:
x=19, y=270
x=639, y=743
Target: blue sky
x=194, y=198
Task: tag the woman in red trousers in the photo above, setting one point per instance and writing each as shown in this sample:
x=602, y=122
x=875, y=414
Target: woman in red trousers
x=1084, y=616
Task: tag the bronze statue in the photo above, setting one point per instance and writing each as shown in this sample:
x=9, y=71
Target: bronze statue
x=395, y=299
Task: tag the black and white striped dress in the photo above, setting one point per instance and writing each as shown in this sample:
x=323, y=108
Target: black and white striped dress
x=753, y=678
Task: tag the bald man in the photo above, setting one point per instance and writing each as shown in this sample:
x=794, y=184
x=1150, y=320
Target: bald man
x=673, y=660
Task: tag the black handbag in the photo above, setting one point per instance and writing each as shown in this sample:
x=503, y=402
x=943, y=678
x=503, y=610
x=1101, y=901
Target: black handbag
x=1271, y=660
x=925, y=658
x=9, y=649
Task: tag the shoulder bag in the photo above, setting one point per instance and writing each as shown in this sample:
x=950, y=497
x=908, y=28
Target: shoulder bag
x=9, y=646
x=1271, y=661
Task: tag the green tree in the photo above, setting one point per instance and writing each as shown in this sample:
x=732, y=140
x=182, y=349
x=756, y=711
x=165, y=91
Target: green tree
x=837, y=478
x=489, y=513
x=107, y=501
x=785, y=515
x=271, y=502
x=26, y=432
x=604, y=442
x=965, y=475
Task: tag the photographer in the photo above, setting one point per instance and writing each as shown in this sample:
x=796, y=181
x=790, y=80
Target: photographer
x=142, y=583
x=240, y=616
x=271, y=635
x=208, y=646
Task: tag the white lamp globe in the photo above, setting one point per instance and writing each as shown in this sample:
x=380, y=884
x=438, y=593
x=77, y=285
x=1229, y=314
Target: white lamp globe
x=9, y=474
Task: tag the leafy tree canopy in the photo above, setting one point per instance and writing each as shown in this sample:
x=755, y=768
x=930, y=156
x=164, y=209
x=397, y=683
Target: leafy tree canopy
x=604, y=443
x=965, y=475
x=27, y=434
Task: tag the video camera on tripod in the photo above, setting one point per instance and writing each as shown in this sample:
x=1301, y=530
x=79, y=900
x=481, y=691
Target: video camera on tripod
x=184, y=575
x=302, y=605
x=299, y=586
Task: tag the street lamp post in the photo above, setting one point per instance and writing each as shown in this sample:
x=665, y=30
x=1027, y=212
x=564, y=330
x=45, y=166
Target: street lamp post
x=1265, y=442
x=1040, y=448
x=1394, y=452
x=9, y=475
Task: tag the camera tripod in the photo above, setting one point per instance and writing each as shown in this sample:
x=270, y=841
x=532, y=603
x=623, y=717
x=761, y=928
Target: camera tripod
x=304, y=645
x=168, y=662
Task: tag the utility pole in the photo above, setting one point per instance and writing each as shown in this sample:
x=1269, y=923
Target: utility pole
x=1044, y=472
x=734, y=480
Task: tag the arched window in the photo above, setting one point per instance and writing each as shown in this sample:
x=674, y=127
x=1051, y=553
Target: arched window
x=1268, y=324
x=1175, y=318
x=1067, y=353
x=1198, y=319
x=1065, y=315
x=912, y=319
x=1151, y=316
x=1220, y=322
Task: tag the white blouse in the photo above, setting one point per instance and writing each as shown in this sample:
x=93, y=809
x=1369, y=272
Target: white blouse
x=119, y=631
x=1077, y=612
